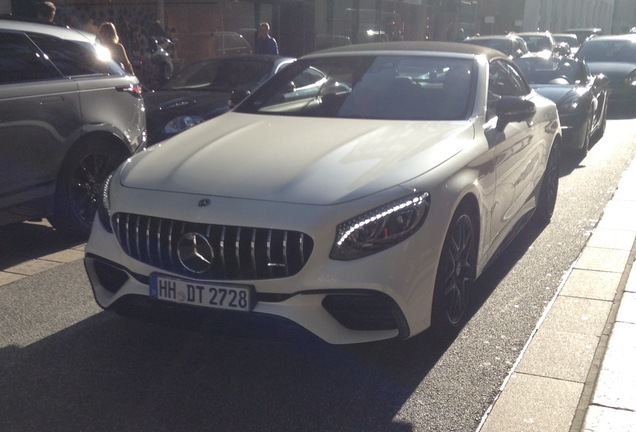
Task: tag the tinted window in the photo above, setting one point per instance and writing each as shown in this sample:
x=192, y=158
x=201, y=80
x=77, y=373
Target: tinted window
x=75, y=58
x=505, y=80
x=538, y=70
x=597, y=50
x=221, y=75
x=20, y=61
x=388, y=87
x=503, y=45
x=538, y=43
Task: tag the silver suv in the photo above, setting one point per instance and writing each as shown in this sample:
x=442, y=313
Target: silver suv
x=68, y=116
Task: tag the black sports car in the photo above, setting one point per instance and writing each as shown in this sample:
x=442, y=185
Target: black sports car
x=581, y=97
x=202, y=91
x=615, y=57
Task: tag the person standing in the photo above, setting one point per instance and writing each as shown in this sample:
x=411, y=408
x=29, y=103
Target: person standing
x=264, y=43
x=109, y=38
x=46, y=11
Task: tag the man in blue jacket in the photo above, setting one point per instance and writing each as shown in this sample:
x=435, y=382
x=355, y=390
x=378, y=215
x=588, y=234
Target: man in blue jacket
x=265, y=44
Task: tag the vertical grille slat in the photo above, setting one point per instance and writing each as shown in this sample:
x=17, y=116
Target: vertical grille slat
x=127, y=232
x=253, y=252
x=170, y=242
x=222, y=247
x=138, y=236
x=270, y=266
x=285, y=253
x=147, y=240
x=239, y=253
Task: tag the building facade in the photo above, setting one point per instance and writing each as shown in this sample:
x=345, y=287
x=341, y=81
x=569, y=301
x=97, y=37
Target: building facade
x=560, y=15
x=302, y=26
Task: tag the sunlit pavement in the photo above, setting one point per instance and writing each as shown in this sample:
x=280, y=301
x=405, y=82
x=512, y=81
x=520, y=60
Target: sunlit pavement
x=576, y=371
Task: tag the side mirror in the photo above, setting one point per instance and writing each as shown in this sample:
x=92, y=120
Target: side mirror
x=601, y=80
x=237, y=96
x=290, y=87
x=512, y=109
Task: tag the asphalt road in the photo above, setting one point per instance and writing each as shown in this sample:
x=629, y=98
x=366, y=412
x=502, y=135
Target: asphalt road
x=67, y=366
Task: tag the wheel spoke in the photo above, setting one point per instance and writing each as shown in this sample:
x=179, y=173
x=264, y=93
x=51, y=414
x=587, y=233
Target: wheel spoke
x=88, y=176
x=458, y=270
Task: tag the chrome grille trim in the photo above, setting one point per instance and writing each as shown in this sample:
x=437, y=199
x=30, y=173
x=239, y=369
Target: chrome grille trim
x=240, y=253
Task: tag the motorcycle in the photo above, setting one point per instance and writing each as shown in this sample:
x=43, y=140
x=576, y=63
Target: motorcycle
x=154, y=66
x=161, y=57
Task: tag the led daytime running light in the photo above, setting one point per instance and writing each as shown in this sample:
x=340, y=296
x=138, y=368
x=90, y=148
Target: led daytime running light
x=413, y=202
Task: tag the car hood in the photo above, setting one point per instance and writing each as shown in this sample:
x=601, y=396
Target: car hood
x=295, y=159
x=556, y=93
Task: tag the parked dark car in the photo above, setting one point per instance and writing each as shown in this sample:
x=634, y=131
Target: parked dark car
x=581, y=97
x=203, y=90
x=68, y=116
x=615, y=57
x=511, y=45
x=229, y=43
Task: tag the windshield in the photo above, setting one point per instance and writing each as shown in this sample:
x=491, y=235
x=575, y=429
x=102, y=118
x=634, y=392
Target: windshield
x=221, y=75
x=392, y=87
x=503, y=45
x=562, y=71
x=537, y=43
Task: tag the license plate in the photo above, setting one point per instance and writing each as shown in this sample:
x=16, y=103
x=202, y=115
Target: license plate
x=217, y=296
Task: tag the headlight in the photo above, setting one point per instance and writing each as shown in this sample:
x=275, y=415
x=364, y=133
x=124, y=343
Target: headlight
x=380, y=228
x=103, y=204
x=181, y=123
x=569, y=106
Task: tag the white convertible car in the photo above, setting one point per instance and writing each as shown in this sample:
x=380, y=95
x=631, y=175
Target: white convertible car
x=357, y=194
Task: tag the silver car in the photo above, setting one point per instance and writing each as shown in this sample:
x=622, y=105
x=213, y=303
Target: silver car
x=362, y=208
x=68, y=116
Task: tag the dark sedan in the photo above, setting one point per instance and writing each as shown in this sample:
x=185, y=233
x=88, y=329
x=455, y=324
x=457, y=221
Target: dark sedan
x=615, y=57
x=581, y=97
x=202, y=91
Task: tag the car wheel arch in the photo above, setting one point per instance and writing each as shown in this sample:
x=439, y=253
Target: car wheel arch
x=107, y=150
x=442, y=326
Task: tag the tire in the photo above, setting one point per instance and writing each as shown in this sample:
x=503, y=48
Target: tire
x=456, y=274
x=549, y=188
x=601, y=128
x=78, y=185
x=587, y=135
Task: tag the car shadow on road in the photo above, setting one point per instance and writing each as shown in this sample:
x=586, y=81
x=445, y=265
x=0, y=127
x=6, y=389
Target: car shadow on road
x=108, y=373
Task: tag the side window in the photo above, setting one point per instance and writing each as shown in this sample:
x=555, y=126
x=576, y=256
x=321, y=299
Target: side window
x=308, y=77
x=75, y=58
x=20, y=61
x=505, y=80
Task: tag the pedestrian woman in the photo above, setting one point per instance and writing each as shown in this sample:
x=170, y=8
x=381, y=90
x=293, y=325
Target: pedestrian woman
x=109, y=38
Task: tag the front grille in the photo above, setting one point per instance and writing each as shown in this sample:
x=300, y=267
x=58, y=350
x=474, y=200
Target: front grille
x=238, y=253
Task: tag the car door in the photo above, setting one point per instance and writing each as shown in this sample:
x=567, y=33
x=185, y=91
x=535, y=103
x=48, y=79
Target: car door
x=519, y=150
x=38, y=109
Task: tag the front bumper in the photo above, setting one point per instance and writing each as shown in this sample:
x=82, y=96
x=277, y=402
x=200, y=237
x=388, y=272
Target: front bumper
x=336, y=316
